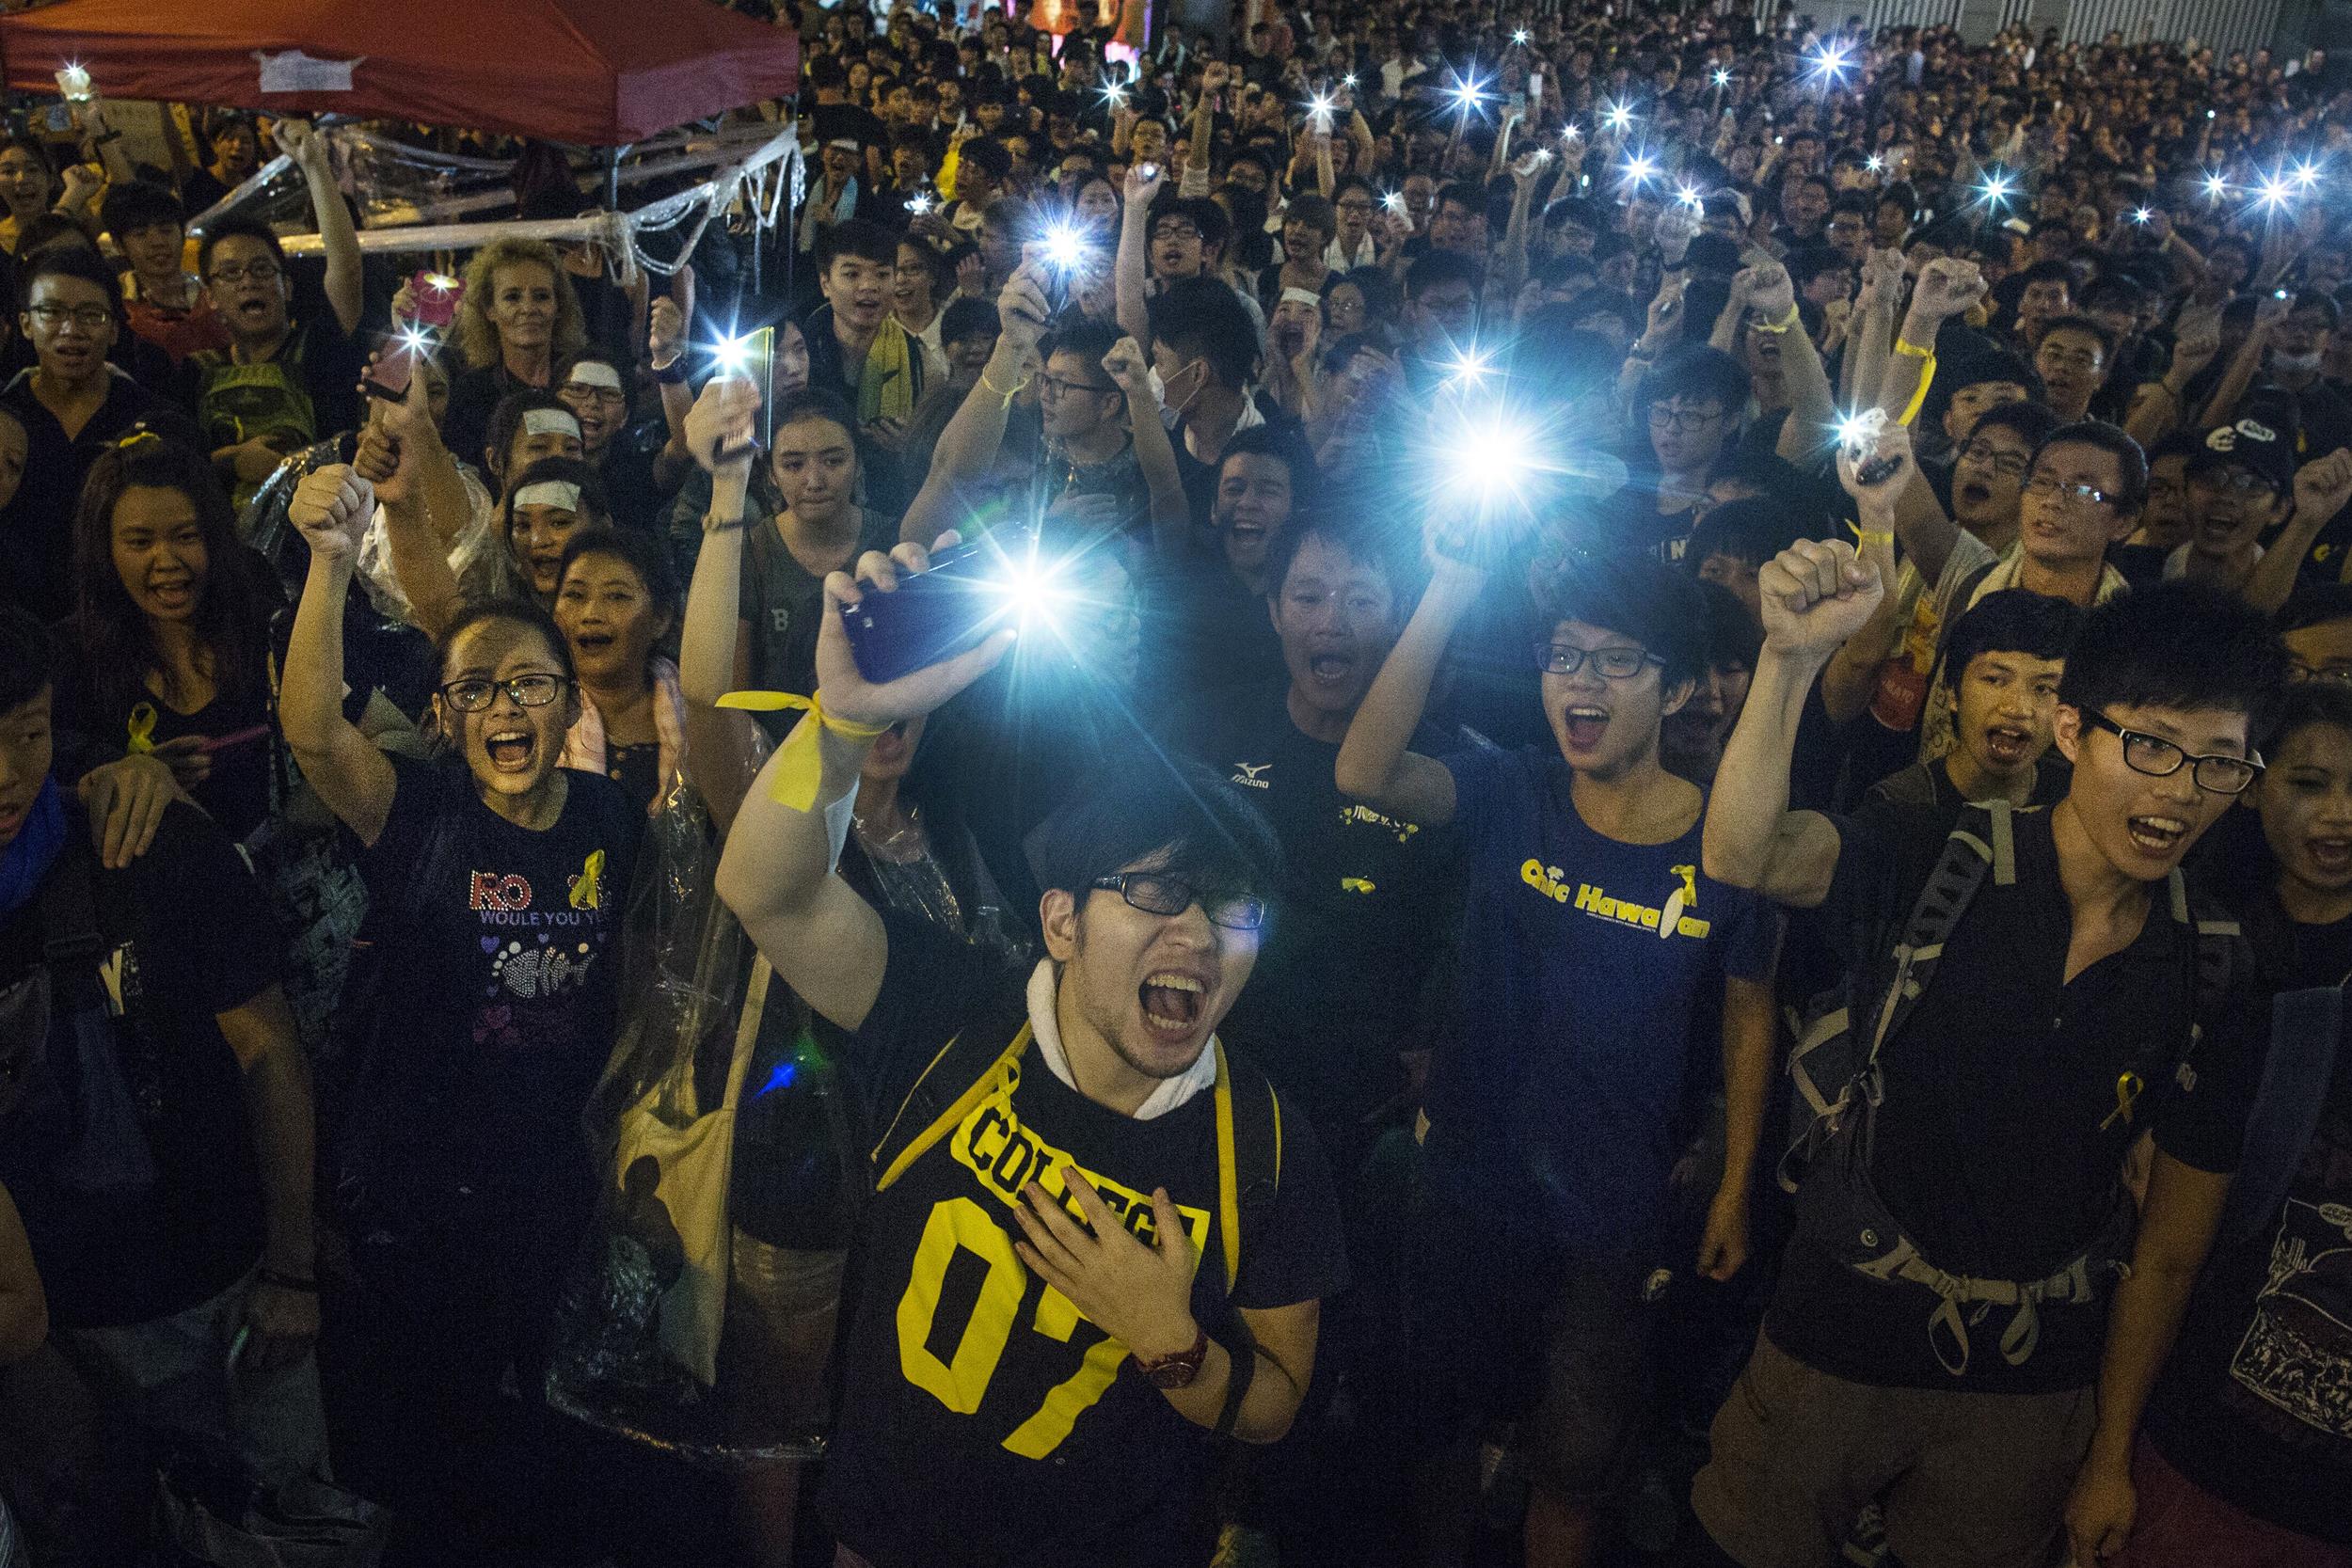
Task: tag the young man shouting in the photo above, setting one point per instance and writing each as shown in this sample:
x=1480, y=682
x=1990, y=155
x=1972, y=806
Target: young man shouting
x=1970, y=1291
x=1590, y=944
x=1087, y=1250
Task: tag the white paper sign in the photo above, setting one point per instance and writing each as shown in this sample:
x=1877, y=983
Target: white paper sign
x=295, y=72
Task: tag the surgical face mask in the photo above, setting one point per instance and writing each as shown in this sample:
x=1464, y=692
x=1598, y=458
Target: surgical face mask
x=2295, y=364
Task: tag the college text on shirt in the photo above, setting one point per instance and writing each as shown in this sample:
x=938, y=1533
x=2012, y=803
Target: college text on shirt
x=1667, y=919
x=1005, y=1154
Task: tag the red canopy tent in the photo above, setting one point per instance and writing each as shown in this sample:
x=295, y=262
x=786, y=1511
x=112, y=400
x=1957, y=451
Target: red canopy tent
x=595, y=73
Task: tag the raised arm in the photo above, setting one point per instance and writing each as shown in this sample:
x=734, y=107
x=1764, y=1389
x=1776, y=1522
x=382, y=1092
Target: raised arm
x=2268, y=314
x=668, y=321
x=1196, y=176
x=2321, y=489
x=969, y=443
x=1812, y=413
x=1815, y=593
x=1129, y=274
x=331, y=507
x=778, y=873
x=1156, y=454
x=346, y=290
x=1375, y=764
x=427, y=504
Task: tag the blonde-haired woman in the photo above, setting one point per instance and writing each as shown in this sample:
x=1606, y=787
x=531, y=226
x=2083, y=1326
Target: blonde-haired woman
x=518, y=317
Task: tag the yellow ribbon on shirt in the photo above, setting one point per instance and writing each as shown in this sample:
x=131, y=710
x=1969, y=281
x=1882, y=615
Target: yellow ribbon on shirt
x=799, y=763
x=142, y=728
x=2127, y=1088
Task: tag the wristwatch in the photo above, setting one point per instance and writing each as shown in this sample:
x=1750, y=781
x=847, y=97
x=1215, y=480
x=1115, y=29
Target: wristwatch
x=1177, y=1370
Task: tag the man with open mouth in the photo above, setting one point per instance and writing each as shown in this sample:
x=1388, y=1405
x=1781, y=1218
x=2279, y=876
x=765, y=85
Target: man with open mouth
x=2004, y=659
x=1974, y=1306
x=1094, y=1241
x=1590, y=941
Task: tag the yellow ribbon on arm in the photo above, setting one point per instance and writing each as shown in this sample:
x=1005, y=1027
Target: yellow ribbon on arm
x=142, y=728
x=800, y=765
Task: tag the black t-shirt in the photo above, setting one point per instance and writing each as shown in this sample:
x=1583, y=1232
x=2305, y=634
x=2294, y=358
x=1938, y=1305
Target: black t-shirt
x=1204, y=631
x=503, y=963
x=37, y=527
x=1997, y=1145
x=1357, y=924
x=186, y=936
x=983, y=1420
x=2255, y=1405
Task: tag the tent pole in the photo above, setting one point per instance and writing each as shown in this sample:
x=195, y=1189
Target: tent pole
x=612, y=178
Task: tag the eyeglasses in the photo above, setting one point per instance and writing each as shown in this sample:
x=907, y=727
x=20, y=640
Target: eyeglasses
x=1155, y=892
x=2240, y=483
x=1061, y=388
x=2072, y=494
x=474, y=694
x=2160, y=758
x=261, y=272
x=1616, y=664
x=2009, y=465
x=1176, y=231
x=589, y=392
x=54, y=316
x=2078, y=360
x=1665, y=418
x=1355, y=205
x=2300, y=673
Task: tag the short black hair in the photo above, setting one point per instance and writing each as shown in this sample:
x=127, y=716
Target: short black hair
x=1992, y=364
x=232, y=229
x=862, y=238
x=1203, y=316
x=1364, y=545
x=1809, y=262
x=2046, y=272
x=2090, y=327
x=27, y=656
x=2178, y=644
x=1192, y=821
x=1434, y=267
x=2304, y=704
x=2316, y=604
x=2032, y=422
x=2107, y=438
x=521, y=613
x=1750, y=530
x=969, y=317
x=1266, y=441
x=2012, y=621
x=1639, y=596
x=1696, y=371
x=506, y=418
x=987, y=154
x=137, y=204
x=71, y=261
x=645, y=553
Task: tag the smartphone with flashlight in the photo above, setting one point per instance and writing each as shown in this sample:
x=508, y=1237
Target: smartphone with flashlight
x=388, y=377
x=73, y=85
x=969, y=592
x=437, y=296
x=751, y=357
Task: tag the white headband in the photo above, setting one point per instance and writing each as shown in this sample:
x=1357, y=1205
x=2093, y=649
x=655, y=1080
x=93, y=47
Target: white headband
x=550, y=422
x=594, y=373
x=560, y=494
x=1301, y=296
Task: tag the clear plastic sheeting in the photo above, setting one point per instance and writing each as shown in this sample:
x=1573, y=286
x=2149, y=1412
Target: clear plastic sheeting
x=678, y=1330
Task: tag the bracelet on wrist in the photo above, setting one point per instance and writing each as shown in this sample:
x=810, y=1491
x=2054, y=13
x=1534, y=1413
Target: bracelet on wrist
x=671, y=374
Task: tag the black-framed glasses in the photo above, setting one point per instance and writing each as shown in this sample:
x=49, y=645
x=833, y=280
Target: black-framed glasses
x=52, y=315
x=2070, y=495
x=261, y=272
x=2009, y=465
x=1061, y=388
x=1663, y=416
x=1157, y=893
x=2231, y=481
x=2159, y=758
x=2300, y=673
x=474, y=694
x=1616, y=664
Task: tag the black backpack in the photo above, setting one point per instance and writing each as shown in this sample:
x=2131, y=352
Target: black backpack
x=1838, y=1089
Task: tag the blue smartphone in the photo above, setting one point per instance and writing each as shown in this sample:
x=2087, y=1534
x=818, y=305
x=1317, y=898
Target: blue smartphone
x=936, y=614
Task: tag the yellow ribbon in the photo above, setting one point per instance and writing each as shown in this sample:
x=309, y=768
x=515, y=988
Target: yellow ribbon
x=142, y=728
x=588, y=887
x=1927, y=379
x=2127, y=1088
x=800, y=763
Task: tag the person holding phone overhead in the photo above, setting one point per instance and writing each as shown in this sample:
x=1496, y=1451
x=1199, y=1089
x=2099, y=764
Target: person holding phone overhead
x=281, y=383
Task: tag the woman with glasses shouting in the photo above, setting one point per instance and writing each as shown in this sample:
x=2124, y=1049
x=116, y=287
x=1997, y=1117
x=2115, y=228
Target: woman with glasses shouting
x=497, y=878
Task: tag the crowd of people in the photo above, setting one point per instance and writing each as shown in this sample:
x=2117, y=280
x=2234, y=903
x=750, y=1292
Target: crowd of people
x=1307, y=799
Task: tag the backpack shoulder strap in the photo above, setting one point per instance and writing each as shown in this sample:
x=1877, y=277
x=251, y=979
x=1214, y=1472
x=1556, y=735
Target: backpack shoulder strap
x=966, y=1060
x=1248, y=1153
x=68, y=907
x=2306, y=1037
x=1983, y=839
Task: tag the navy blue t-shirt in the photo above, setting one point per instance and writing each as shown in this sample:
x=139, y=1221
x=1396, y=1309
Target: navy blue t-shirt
x=1568, y=1072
